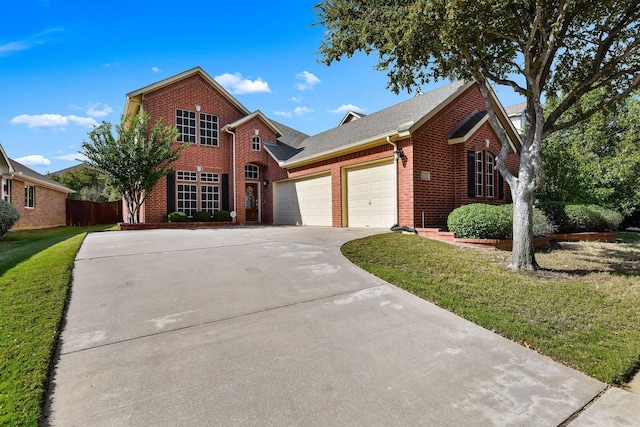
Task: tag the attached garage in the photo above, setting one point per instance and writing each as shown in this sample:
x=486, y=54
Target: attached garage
x=304, y=201
x=371, y=196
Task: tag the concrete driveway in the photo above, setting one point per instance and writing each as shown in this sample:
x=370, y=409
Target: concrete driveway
x=272, y=326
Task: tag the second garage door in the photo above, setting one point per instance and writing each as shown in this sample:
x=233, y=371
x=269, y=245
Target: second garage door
x=371, y=196
x=304, y=201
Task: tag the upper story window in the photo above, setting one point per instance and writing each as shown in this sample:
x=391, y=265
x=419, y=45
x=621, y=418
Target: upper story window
x=255, y=143
x=479, y=173
x=251, y=172
x=209, y=177
x=6, y=190
x=208, y=129
x=490, y=176
x=190, y=124
x=29, y=196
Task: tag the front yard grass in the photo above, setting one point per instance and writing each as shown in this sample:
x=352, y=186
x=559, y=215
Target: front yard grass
x=582, y=310
x=35, y=273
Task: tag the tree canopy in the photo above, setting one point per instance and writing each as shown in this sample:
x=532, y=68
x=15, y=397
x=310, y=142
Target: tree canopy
x=136, y=159
x=536, y=47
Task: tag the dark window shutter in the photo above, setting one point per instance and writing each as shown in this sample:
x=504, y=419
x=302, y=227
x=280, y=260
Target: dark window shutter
x=171, y=193
x=471, y=173
x=500, y=186
x=225, y=192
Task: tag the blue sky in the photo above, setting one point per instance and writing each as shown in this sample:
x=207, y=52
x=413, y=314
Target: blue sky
x=68, y=65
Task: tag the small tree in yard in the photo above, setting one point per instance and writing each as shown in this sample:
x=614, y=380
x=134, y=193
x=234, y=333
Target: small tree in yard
x=563, y=48
x=135, y=160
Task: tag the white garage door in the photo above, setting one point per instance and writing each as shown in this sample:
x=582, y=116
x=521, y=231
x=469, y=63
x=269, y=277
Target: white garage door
x=304, y=201
x=371, y=196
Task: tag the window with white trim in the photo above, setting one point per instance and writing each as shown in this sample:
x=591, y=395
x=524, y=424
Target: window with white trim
x=479, y=174
x=186, y=124
x=255, y=143
x=490, y=176
x=6, y=190
x=210, y=198
x=29, y=196
x=186, y=176
x=187, y=197
x=251, y=172
x=209, y=177
x=208, y=129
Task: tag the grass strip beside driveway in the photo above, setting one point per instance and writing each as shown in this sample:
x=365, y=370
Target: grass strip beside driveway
x=585, y=319
x=35, y=274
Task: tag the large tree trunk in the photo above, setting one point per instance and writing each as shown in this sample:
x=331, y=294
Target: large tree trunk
x=523, y=254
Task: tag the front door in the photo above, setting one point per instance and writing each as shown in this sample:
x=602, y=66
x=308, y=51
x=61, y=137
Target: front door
x=251, y=201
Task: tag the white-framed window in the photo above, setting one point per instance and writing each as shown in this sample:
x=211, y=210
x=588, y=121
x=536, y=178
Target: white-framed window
x=479, y=174
x=208, y=129
x=251, y=171
x=187, y=198
x=255, y=143
x=186, y=124
x=186, y=176
x=29, y=196
x=210, y=198
x=6, y=190
x=490, y=176
x=209, y=177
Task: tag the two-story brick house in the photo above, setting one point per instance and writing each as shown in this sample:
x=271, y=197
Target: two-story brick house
x=410, y=164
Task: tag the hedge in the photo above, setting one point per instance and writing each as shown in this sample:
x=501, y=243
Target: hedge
x=482, y=221
x=572, y=218
x=177, y=217
x=202, y=216
x=221, y=216
x=8, y=216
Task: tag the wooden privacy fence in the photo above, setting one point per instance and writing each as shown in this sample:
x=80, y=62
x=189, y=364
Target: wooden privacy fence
x=85, y=212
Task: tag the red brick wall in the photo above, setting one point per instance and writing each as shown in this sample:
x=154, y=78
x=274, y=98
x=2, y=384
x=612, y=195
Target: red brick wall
x=49, y=210
x=185, y=94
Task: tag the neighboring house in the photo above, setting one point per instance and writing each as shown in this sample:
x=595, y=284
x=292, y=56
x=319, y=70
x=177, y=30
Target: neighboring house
x=516, y=115
x=39, y=200
x=410, y=164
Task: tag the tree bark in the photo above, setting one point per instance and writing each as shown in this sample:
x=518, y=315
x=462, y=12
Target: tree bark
x=523, y=253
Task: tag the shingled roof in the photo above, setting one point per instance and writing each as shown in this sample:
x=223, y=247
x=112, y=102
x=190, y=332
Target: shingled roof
x=397, y=119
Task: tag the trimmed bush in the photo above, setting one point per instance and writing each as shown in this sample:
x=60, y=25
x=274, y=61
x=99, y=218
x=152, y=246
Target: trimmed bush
x=202, y=216
x=572, y=218
x=221, y=216
x=480, y=221
x=8, y=216
x=177, y=217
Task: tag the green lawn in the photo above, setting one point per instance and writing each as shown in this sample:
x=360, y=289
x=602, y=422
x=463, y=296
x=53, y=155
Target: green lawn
x=35, y=273
x=583, y=310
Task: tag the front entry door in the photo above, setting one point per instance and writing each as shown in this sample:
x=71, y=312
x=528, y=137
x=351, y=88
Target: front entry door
x=251, y=201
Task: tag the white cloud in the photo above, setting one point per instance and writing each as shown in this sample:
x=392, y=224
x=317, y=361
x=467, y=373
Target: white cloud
x=34, y=160
x=72, y=157
x=345, y=108
x=11, y=47
x=235, y=83
x=309, y=80
x=98, y=110
x=295, y=99
x=298, y=111
x=34, y=40
x=155, y=69
x=52, y=121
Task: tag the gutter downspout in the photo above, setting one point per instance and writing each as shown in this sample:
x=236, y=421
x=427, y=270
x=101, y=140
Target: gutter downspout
x=233, y=136
x=396, y=157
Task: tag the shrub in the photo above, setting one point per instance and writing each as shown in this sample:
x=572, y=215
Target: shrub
x=480, y=221
x=8, y=216
x=221, y=216
x=572, y=218
x=177, y=217
x=202, y=216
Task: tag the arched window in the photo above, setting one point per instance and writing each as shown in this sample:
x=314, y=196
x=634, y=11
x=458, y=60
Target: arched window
x=251, y=171
x=255, y=143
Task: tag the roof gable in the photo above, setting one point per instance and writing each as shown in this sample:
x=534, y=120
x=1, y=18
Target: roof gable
x=134, y=99
x=256, y=114
x=5, y=163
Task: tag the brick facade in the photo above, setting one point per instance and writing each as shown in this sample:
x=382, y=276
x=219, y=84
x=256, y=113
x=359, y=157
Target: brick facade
x=49, y=209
